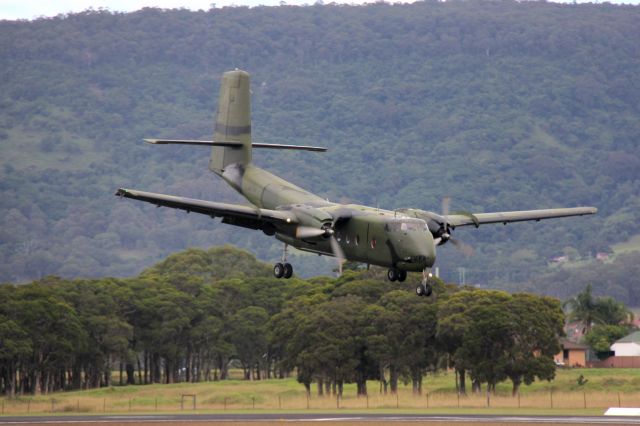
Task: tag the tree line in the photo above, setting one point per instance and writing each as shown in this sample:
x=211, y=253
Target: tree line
x=191, y=316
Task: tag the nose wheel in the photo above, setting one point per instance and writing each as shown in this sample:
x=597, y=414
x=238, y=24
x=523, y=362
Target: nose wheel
x=283, y=269
x=424, y=288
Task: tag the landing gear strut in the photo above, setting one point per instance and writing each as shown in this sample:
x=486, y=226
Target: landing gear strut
x=283, y=269
x=424, y=288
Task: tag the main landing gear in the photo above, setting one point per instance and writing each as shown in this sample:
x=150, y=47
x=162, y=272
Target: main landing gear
x=283, y=269
x=395, y=274
x=424, y=288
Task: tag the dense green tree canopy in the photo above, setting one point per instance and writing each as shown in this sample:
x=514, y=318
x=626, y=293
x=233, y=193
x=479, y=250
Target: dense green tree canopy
x=167, y=325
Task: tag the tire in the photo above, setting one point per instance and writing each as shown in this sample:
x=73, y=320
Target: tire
x=288, y=270
x=420, y=290
x=402, y=276
x=428, y=290
x=392, y=274
x=278, y=270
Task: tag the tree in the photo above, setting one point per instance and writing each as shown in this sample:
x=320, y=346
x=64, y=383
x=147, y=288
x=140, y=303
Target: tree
x=602, y=336
x=494, y=335
x=248, y=334
x=583, y=308
x=408, y=326
x=589, y=310
x=537, y=327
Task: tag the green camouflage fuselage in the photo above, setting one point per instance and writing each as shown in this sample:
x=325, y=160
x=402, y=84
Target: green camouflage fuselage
x=368, y=235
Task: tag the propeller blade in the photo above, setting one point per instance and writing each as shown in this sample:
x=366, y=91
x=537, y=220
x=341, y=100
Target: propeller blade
x=466, y=249
x=303, y=232
x=337, y=252
x=446, y=204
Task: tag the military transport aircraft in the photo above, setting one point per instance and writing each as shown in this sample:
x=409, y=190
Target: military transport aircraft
x=401, y=240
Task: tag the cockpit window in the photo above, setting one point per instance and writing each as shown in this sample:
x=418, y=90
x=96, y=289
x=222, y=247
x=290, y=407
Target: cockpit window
x=405, y=225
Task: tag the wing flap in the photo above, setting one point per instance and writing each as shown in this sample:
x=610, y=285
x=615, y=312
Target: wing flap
x=232, y=213
x=478, y=219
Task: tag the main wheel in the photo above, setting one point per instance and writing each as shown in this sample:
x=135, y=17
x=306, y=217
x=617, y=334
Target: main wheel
x=420, y=290
x=428, y=290
x=402, y=276
x=288, y=270
x=278, y=270
x=393, y=274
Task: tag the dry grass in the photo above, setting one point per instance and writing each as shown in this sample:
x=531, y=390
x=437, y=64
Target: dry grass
x=404, y=401
x=605, y=388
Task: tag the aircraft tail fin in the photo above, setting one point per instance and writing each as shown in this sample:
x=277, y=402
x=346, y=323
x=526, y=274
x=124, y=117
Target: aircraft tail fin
x=232, y=122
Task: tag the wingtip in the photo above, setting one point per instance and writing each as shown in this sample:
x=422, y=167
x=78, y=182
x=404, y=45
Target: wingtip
x=121, y=192
x=151, y=141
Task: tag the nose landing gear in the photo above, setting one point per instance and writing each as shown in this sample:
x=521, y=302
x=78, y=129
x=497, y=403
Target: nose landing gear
x=283, y=269
x=424, y=288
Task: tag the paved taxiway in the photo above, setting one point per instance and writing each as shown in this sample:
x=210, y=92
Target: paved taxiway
x=309, y=418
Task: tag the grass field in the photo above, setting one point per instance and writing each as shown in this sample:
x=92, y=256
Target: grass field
x=605, y=388
x=632, y=244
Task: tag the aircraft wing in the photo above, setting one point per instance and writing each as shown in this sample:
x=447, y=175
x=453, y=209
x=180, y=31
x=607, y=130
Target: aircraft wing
x=478, y=219
x=233, y=214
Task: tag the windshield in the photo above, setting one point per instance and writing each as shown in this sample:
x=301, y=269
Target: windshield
x=406, y=226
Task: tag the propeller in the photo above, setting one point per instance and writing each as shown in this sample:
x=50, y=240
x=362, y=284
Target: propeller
x=319, y=224
x=304, y=232
x=444, y=233
x=337, y=253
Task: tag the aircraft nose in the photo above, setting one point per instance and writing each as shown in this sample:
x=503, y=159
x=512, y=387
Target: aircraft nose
x=423, y=253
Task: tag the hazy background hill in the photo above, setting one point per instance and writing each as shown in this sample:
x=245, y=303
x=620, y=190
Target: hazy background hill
x=501, y=105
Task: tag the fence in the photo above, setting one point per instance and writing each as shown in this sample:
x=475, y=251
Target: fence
x=616, y=362
x=187, y=402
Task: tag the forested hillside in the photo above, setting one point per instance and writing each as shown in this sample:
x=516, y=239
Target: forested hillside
x=500, y=105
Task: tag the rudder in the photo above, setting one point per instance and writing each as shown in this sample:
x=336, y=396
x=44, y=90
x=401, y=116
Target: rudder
x=233, y=122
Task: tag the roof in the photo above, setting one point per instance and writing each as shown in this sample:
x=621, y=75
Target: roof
x=568, y=344
x=631, y=338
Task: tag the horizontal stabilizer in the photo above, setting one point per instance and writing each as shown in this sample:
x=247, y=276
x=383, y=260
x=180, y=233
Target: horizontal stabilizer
x=233, y=144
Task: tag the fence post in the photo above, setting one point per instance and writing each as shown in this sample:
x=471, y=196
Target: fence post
x=182, y=403
x=29, y=406
x=338, y=401
x=518, y=399
x=584, y=395
x=53, y=406
x=225, y=403
x=367, y=401
x=279, y=402
x=307, y=400
x=551, y=397
x=253, y=402
x=129, y=404
x=397, y=399
x=458, y=399
x=194, y=402
x=78, y=405
x=619, y=404
x=3, y=407
x=104, y=405
x=427, y=399
x=156, y=403
x=488, y=397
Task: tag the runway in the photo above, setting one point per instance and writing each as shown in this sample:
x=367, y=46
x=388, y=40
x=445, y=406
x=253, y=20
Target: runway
x=370, y=419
